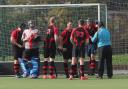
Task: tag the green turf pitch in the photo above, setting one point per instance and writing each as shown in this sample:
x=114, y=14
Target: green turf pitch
x=62, y=83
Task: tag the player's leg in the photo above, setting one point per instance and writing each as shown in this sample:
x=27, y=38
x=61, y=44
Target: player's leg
x=24, y=62
x=73, y=62
x=16, y=66
x=92, y=62
x=34, y=72
x=34, y=69
x=66, y=67
x=52, y=67
x=89, y=56
x=72, y=69
x=23, y=65
x=45, y=63
x=65, y=58
x=82, y=56
x=76, y=71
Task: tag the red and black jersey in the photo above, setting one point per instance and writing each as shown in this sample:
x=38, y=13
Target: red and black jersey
x=92, y=28
x=79, y=35
x=66, y=37
x=51, y=31
x=16, y=35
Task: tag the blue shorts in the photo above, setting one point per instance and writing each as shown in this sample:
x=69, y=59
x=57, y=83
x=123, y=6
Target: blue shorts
x=91, y=49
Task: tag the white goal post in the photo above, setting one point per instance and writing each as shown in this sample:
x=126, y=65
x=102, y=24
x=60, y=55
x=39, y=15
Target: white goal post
x=98, y=5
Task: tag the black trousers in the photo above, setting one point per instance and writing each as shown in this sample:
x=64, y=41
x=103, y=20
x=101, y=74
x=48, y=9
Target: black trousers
x=105, y=55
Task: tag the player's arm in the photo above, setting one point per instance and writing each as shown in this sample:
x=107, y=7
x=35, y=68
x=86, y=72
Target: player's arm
x=71, y=37
x=87, y=37
x=60, y=42
x=94, y=38
x=37, y=37
x=13, y=40
x=56, y=36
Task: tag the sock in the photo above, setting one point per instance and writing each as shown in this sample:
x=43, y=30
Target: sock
x=75, y=69
x=92, y=64
x=45, y=67
x=72, y=70
x=66, y=68
x=16, y=68
x=82, y=70
x=52, y=68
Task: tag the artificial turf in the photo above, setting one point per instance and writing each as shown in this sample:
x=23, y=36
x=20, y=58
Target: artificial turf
x=117, y=82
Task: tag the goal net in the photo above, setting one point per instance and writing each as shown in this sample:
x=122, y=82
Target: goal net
x=12, y=15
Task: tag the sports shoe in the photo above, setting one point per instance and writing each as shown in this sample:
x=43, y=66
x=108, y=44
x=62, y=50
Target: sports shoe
x=24, y=75
x=52, y=76
x=70, y=77
x=109, y=77
x=99, y=77
x=67, y=76
x=76, y=76
x=33, y=76
x=83, y=78
x=18, y=76
x=45, y=77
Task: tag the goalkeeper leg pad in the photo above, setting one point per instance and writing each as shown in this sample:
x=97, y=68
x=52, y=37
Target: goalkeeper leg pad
x=23, y=65
x=34, y=69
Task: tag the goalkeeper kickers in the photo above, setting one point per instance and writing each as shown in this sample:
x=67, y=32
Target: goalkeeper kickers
x=29, y=68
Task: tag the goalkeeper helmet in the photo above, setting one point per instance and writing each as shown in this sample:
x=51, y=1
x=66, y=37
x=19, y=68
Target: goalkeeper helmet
x=31, y=24
x=23, y=26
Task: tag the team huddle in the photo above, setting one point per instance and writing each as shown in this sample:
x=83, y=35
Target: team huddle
x=73, y=43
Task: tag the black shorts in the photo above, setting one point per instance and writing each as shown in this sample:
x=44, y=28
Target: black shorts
x=68, y=53
x=29, y=53
x=78, y=51
x=49, y=52
x=17, y=52
x=91, y=49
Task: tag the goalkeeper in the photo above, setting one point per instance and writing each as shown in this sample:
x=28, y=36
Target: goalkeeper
x=31, y=41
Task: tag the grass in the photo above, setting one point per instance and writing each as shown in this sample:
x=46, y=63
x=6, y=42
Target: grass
x=118, y=82
x=120, y=59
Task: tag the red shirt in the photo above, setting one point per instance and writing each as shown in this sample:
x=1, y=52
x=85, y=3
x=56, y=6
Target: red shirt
x=92, y=28
x=66, y=37
x=16, y=35
x=51, y=31
x=79, y=36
